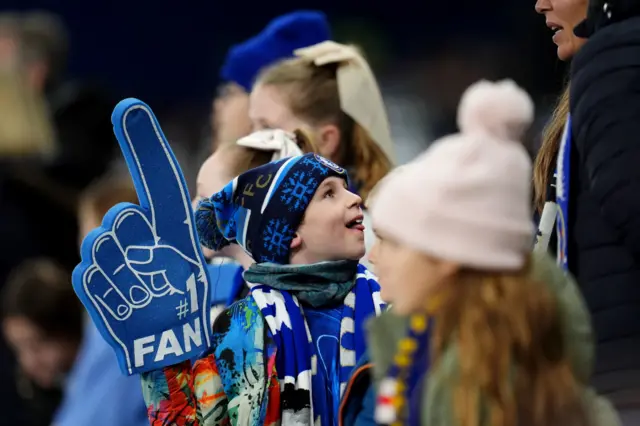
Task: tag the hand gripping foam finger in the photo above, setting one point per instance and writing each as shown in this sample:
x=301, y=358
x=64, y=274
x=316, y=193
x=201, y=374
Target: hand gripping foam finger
x=142, y=277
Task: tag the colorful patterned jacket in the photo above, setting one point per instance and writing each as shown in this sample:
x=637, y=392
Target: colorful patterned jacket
x=235, y=383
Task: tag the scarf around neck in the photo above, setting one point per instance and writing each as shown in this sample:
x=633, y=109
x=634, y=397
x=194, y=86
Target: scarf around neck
x=563, y=176
x=278, y=291
x=318, y=285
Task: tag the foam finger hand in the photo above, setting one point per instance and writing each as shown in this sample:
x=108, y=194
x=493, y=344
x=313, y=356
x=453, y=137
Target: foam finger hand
x=107, y=301
x=109, y=258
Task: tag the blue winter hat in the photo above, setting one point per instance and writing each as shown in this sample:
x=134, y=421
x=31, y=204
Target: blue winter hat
x=277, y=41
x=262, y=208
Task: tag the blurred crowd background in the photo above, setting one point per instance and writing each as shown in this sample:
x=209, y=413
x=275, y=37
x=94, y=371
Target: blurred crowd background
x=61, y=79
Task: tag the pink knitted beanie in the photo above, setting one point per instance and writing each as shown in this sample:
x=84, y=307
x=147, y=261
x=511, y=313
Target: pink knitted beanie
x=467, y=199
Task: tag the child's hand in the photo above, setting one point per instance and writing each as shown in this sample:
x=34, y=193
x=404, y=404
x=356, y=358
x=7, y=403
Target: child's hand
x=142, y=276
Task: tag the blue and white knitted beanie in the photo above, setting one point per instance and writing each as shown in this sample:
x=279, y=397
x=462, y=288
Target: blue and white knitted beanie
x=262, y=208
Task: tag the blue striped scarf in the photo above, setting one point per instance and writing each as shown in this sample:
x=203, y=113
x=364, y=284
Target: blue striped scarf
x=563, y=176
x=296, y=362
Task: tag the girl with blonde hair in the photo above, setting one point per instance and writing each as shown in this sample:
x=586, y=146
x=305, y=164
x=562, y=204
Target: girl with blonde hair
x=482, y=332
x=330, y=91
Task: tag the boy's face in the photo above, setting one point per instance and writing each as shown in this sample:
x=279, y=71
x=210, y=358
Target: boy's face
x=332, y=226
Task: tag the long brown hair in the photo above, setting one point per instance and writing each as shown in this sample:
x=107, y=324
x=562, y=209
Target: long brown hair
x=546, y=158
x=313, y=95
x=512, y=355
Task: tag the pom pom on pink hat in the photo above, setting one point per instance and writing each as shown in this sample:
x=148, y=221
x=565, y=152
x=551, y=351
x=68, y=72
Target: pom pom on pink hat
x=468, y=197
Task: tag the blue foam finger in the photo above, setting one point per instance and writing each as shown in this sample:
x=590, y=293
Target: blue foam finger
x=91, y=286
x=142, y=275
x=109, y=258
x=139, y=255
x=132, y=227
x=156, y=173
x=96, y=289
x=106, y=299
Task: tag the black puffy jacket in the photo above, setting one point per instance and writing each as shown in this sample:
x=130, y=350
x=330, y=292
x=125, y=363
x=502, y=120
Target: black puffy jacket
x=604, y=208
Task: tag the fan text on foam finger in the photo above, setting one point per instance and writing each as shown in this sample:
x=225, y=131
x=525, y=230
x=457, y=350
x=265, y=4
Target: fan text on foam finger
x=176, y=341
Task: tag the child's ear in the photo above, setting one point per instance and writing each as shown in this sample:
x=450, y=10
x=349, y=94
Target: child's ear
x=296, y=242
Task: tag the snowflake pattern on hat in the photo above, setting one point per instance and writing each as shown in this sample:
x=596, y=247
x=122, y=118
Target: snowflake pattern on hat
x=298, y=190
x=262, y=208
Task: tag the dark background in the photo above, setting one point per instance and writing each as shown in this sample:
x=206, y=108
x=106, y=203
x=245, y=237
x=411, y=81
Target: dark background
x=169, y=52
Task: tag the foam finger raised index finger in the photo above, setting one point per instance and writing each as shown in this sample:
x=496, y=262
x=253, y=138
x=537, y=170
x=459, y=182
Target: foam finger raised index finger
x=156, y=173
